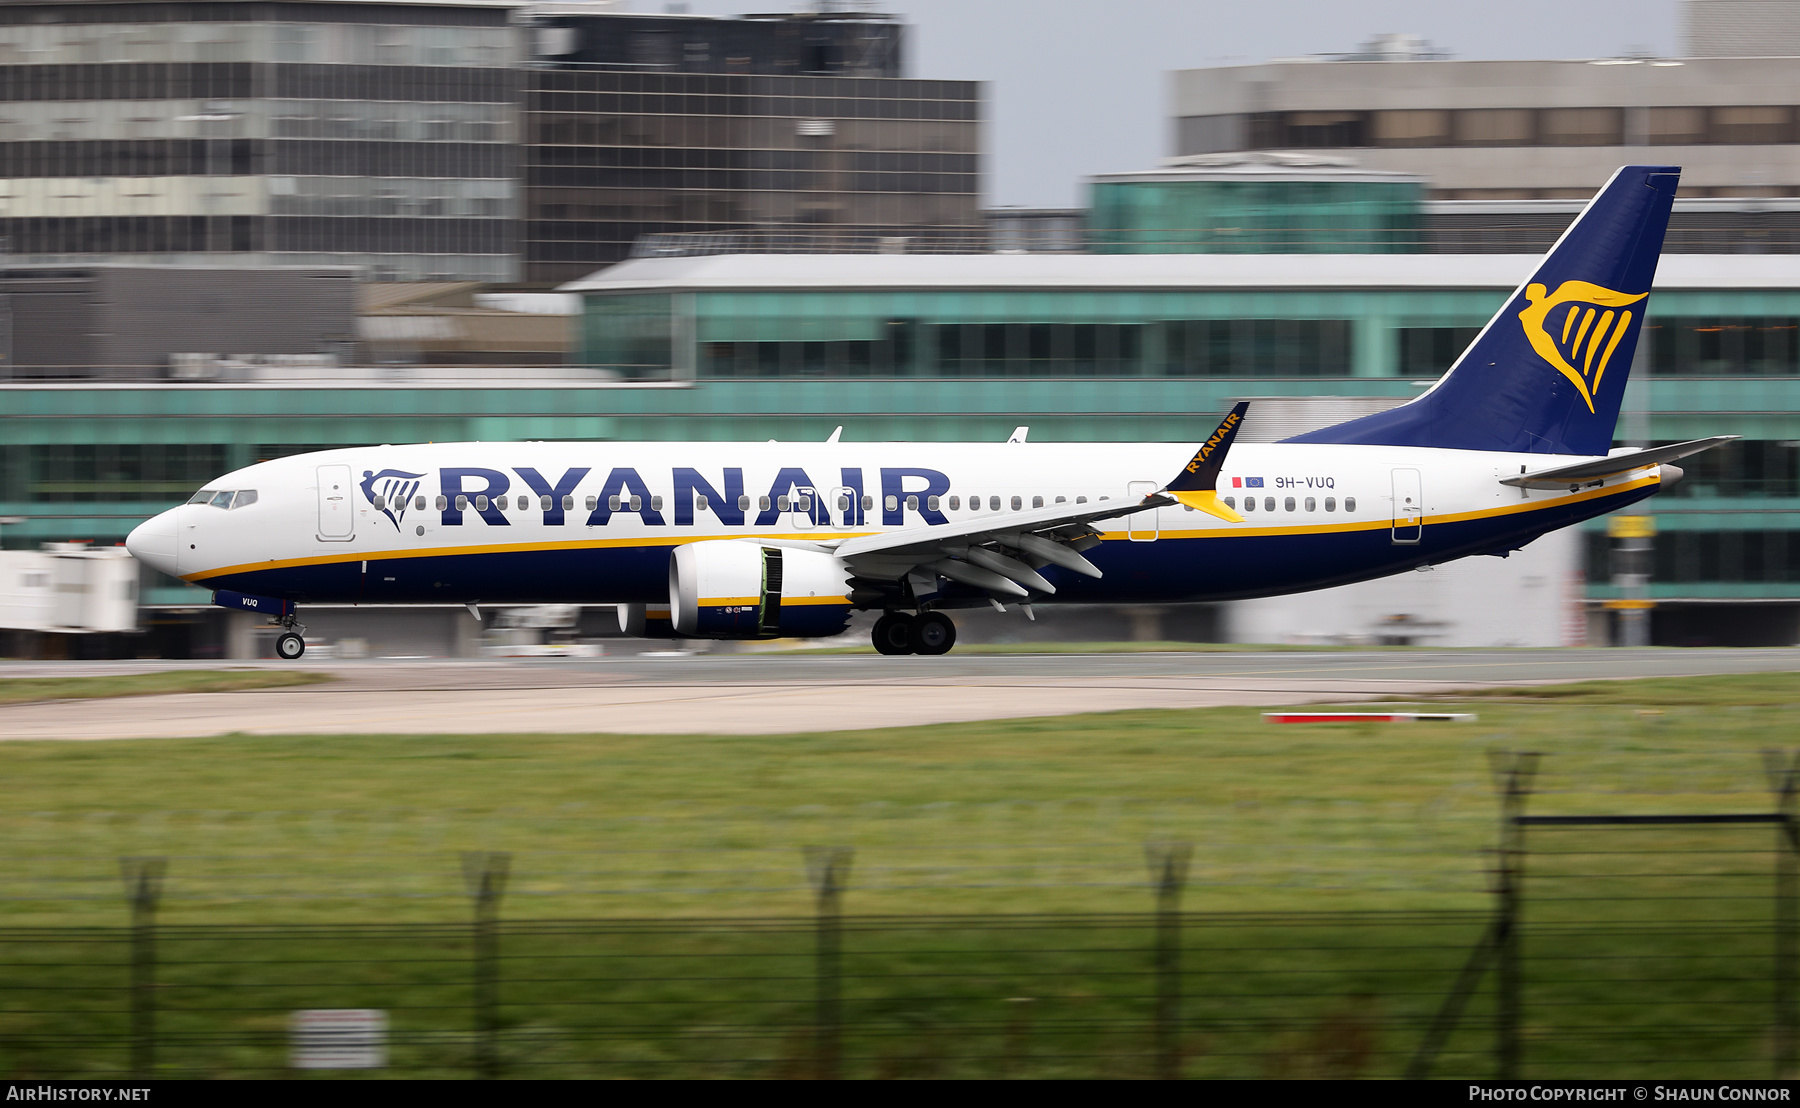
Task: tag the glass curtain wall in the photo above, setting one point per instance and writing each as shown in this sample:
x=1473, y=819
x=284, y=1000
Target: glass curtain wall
x=1256, y=217
x=380, y=135
x=798, y=163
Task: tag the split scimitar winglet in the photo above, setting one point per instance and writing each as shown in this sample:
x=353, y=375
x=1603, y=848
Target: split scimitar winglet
x=1197, y=485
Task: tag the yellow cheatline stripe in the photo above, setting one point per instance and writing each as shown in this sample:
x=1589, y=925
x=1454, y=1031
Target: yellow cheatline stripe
x=1380, y=524
x=730, y=601
x=508, y=548
x=1385, y=522
x=812, y=601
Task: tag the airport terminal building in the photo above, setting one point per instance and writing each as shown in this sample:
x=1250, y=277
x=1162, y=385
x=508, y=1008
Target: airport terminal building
x=1320, y=283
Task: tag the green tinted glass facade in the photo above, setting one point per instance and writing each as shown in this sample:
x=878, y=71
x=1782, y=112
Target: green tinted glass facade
x=1255, y=217
x=1104, y=333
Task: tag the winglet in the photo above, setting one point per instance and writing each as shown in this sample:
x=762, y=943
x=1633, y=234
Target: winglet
x=1197, y=483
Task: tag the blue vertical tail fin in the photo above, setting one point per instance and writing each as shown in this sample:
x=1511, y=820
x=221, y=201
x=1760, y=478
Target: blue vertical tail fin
x=1547, y=374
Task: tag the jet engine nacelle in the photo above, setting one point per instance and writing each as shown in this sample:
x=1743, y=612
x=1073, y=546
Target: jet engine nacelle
x=741, y=589
x=646, y=621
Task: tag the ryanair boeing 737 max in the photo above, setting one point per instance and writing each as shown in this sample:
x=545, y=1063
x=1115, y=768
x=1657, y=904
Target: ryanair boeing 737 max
x=756, y=540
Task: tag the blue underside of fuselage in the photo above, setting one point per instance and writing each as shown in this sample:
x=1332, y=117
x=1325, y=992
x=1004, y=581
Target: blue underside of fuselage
x=1221, y=567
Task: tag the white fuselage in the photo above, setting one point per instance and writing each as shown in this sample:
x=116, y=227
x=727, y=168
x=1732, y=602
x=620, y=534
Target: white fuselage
x=538, y=522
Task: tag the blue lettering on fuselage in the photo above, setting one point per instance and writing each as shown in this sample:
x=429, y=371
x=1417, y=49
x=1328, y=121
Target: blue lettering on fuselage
x=894, y=493
x=689, y=483
x=853, y=480
x=450, y=482
x=788, y=479
x=726, y=500
x=553, y=515
x=624, y=483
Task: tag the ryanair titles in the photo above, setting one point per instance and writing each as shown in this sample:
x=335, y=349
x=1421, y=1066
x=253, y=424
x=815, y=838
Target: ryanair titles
x=479, y=492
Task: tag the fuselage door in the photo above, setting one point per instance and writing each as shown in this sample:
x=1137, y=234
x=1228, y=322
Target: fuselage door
x=1409, y=506
x=336, y=508
x=1141, y=526
x=843, y=508
x=805, y=503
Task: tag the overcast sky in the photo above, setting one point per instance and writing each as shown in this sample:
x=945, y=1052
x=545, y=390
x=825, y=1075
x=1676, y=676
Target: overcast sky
x=1076, y=86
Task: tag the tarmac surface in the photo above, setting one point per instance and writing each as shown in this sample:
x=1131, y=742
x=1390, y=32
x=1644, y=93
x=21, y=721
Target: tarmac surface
x=773, y=694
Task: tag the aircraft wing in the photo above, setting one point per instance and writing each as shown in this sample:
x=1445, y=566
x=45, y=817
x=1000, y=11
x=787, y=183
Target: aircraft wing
x=1002, y=554
x=1598, y=470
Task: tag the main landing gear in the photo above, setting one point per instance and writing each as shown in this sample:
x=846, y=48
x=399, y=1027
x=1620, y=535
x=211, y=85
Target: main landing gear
x=290, y=644
x=926, y=633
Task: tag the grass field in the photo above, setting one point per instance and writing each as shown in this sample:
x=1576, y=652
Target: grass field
x=1340, y=873
x=1014, y=815
x=25, y=690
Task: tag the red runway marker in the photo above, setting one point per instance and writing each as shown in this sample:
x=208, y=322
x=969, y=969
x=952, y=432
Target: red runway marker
x=1368, y=717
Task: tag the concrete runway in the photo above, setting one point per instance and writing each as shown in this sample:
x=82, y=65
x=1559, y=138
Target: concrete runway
x=772, y=694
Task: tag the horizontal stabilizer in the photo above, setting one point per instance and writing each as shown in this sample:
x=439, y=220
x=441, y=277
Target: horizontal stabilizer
x=1598, y=470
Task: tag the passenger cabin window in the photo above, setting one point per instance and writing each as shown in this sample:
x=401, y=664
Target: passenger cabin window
x=803, y=504
x=1037, y=502
x=1249, y=503
x=892, y=503
x=500, y=502
x=462, y=503
x=1081, y=500
x=1288, y=504
x=1311, y=504
x=843, y=504
x=762, y=503
x=419, y=504
x=1231, y=502
x=993, y=503
x=379, y=501
x=1331, y=503
x=782, y=503
x=912, y=503
x=743, y=503
x=1017, y=503
x=931, y=503
x=956, y=503
x=637, y=503
x=613, y=504
x=442, y=503
x=1268, y=503
x=481, y=502
x=1349, y=503
x=1062, y=500
x=868, y=503
x=568, y=503
x=700, y=502
x=655, y=503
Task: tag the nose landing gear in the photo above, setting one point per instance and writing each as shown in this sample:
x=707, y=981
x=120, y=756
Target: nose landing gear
x=927, y=633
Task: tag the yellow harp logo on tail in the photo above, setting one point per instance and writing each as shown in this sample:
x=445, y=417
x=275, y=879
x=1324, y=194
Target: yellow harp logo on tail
x=1577, y=328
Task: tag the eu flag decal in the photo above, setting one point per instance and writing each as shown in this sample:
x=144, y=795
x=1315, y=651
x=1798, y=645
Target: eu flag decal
x=1253, y=482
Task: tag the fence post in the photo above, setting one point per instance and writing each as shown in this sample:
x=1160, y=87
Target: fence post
x=1168, y=863
x=828, y=867
x=143, y=887
x=1783, y=771
x=484, y=875
x=1512, y=774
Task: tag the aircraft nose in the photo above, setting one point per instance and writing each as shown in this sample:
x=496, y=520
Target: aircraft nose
x=153, y=542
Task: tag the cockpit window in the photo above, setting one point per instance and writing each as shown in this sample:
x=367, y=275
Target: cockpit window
x=244, y=498
x=203, y=496
x=222, y=499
